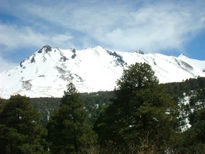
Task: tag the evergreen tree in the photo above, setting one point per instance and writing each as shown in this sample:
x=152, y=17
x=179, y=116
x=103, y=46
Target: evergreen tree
x=197, y=131
x=196, y=110
x=2, y=104
x=141, y=118
x=20, y=132
x=68, y=129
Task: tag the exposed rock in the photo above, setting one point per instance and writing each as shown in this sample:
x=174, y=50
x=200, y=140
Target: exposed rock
x=119, y=58
x=26, y=85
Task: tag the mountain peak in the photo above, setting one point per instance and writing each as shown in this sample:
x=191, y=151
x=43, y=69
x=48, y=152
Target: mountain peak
x=47, y=72
x=181, y=55
x=45, y=48
x=99, y=47
x=139, y=51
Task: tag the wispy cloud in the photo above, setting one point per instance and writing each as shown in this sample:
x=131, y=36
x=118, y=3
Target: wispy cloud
x=152, y=27
x=13, y=37
x=123, y=25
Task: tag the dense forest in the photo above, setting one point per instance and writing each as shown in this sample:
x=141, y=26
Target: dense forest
x=140, y=116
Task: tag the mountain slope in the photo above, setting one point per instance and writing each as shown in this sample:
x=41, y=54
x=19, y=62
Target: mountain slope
x=47, y=72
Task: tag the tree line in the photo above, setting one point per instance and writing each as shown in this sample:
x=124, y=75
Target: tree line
x=141, y=117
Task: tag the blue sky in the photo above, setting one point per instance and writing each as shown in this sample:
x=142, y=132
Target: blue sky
x=169, y=27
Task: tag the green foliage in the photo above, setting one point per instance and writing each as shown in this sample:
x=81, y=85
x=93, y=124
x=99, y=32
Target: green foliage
x=178, y=89
x=137, y=76
x=192, y=140
x=46, y=106
x=138, y=117
x=197, y=121
x=19, y=128
x=141, y=118
x=68, y=129
x=93, y=102
x=2, y=104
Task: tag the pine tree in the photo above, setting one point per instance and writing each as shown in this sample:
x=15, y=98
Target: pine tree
x=68, y=129
x=2, y=104
x=196, y=110
x=142, y=117
x=20, y=132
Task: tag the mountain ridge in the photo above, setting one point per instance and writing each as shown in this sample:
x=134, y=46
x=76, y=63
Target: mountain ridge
x=47, y=72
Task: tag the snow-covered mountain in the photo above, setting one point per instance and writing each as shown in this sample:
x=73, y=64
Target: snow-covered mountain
x=47, y=72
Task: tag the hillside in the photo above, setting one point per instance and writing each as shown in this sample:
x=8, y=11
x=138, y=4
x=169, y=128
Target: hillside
x=47, y=72
x=94, y=102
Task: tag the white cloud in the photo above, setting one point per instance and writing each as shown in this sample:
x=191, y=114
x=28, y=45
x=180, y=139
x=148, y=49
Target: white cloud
x=155, y=27
x=14, y=37
x=152, y=27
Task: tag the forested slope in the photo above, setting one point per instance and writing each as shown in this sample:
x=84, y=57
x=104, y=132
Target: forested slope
x=95, y=101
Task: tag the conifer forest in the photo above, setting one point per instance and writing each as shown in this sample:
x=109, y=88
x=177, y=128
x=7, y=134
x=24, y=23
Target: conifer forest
x=141, y=116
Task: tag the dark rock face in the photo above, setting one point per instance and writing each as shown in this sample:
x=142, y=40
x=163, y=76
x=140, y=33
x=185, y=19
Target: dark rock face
x=79, y=79
x=183, y=64
x=21, y=64
x=140, y=52
x=119, y=59
x=74, y=54
x=186, y=65
x=26, y=85
x=60, y=70
x=47, y=49
x=63, y=59
x=33, y=59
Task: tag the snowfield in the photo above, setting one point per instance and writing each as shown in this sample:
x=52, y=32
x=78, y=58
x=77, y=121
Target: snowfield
x=47, y=72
